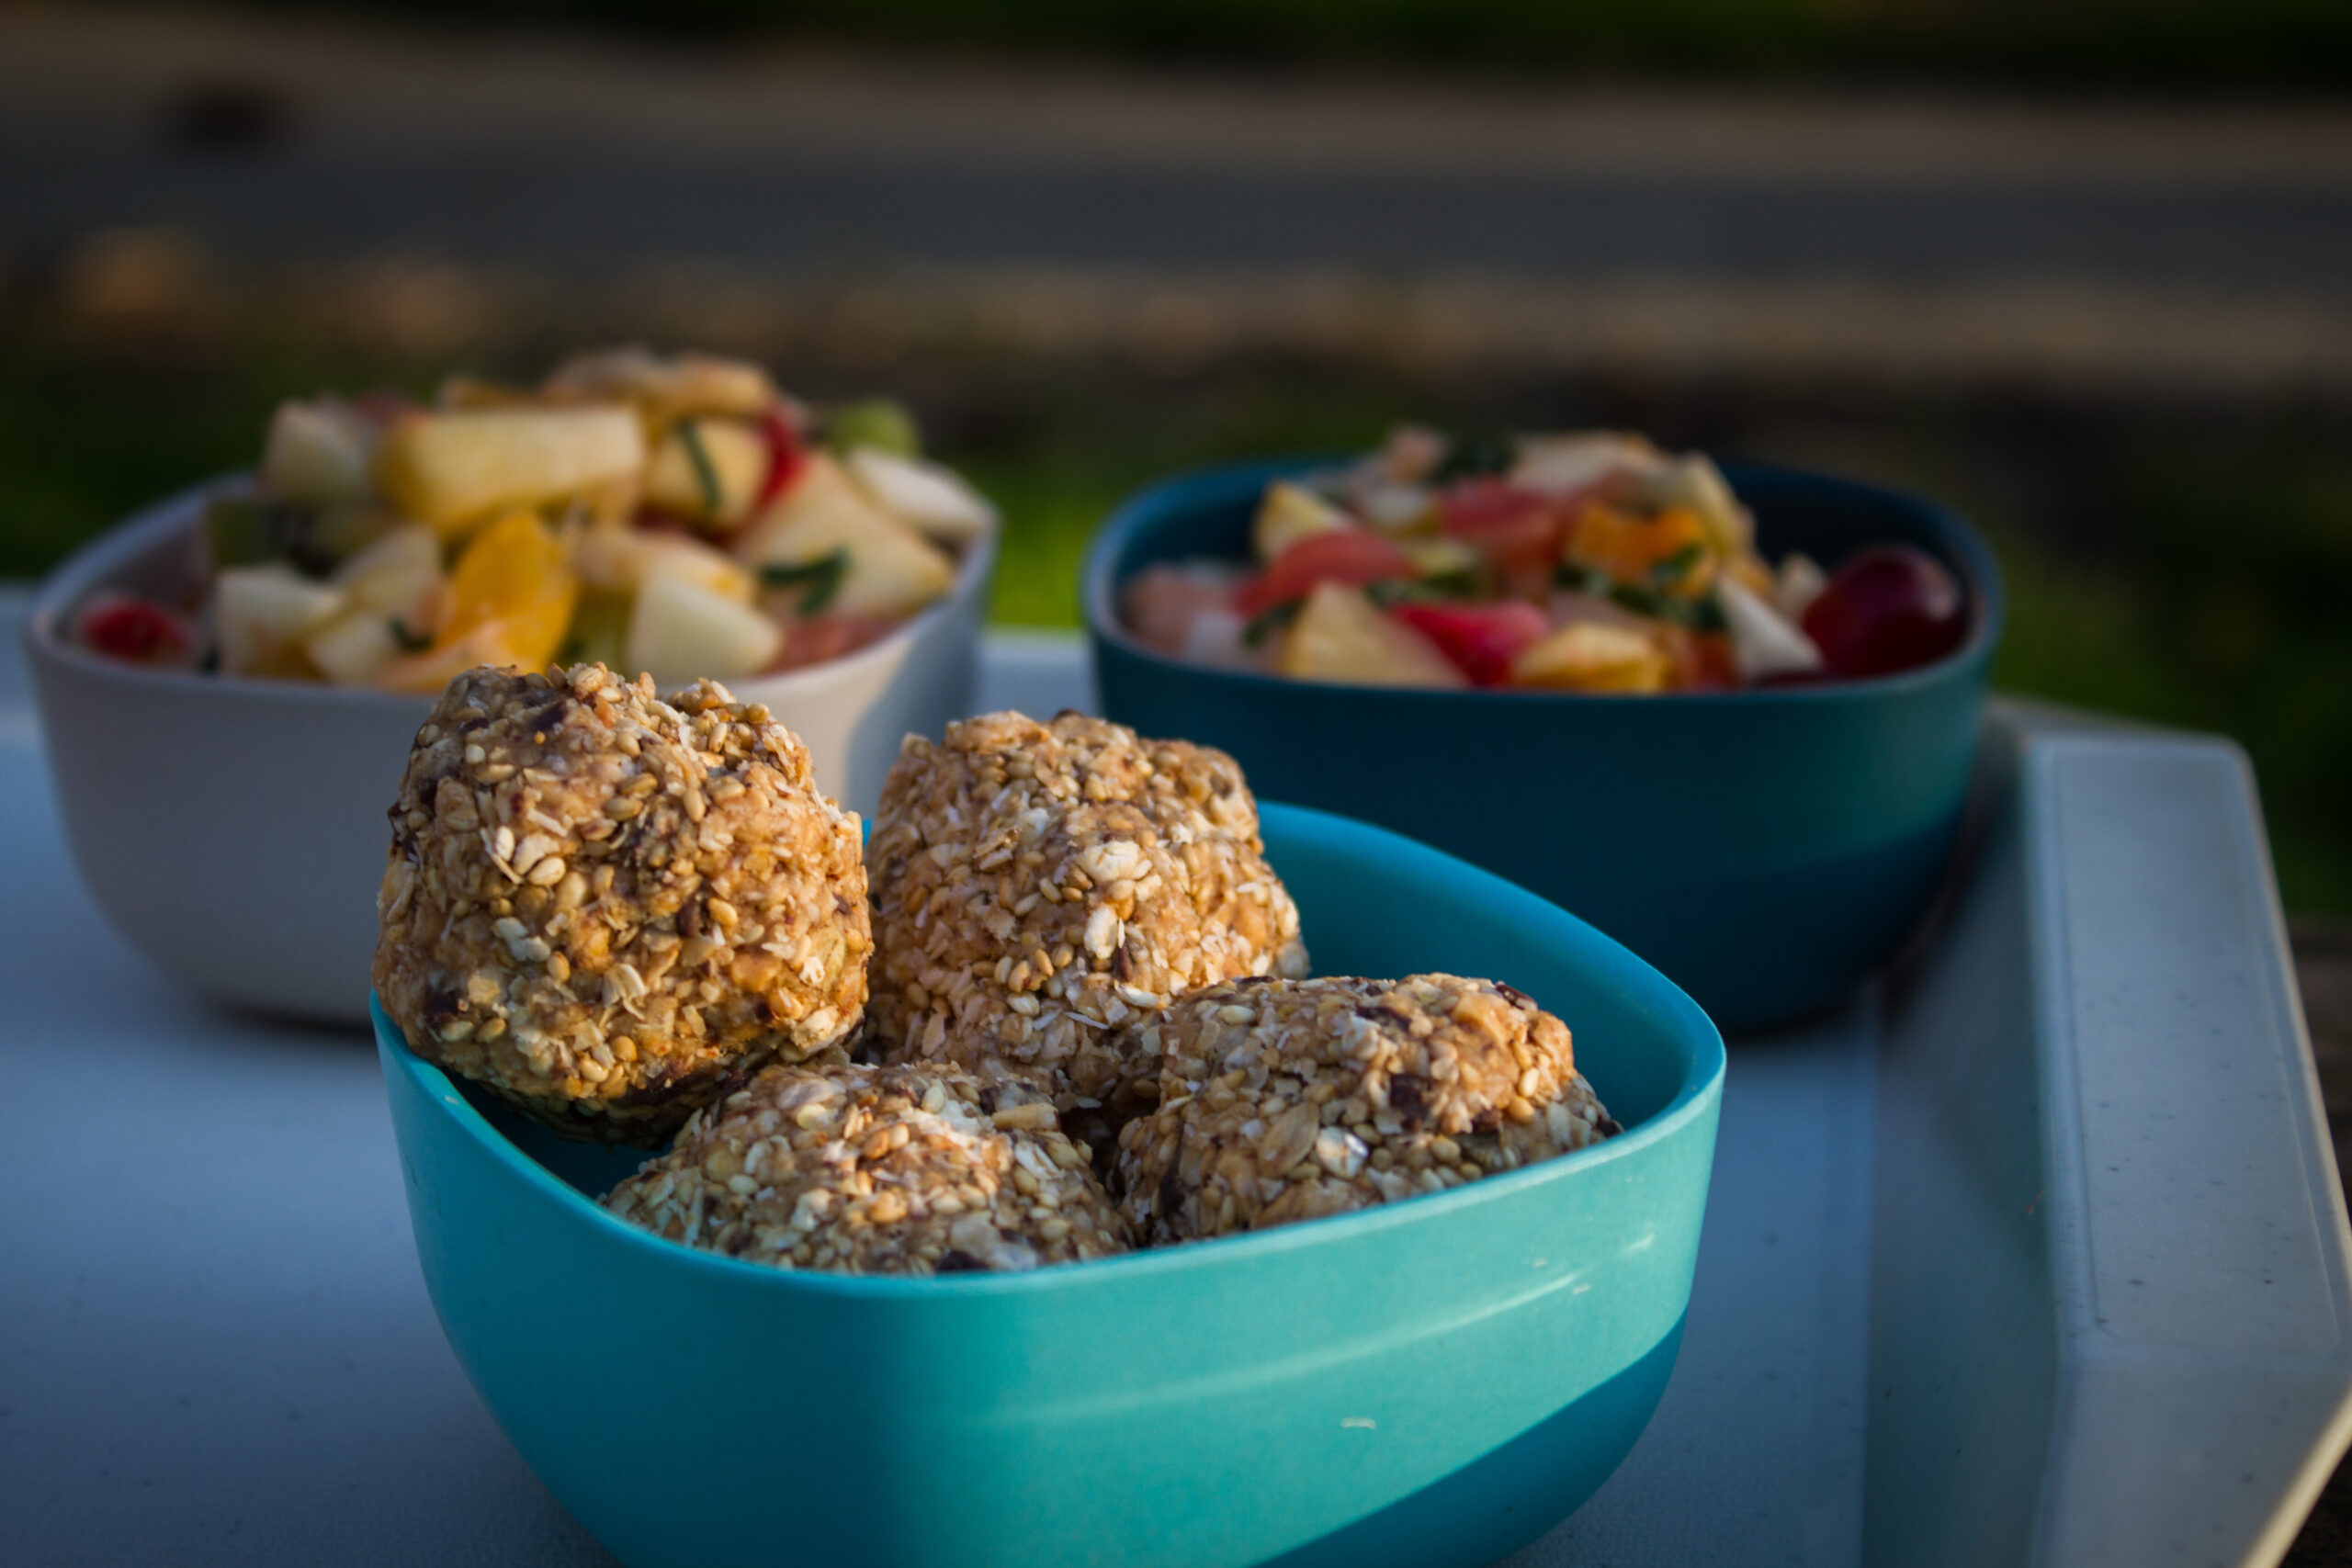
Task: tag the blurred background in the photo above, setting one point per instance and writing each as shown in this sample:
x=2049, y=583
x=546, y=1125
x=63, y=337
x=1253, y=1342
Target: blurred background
x=2082, y=268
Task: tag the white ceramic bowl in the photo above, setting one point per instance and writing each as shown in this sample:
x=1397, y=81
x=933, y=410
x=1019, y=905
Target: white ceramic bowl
x=234, y=830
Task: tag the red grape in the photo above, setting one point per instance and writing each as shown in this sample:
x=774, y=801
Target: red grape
x=1889, y=607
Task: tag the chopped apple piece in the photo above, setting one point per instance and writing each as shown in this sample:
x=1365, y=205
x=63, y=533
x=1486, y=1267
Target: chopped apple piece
x=709, y=470
x=452, y=470
x=319, y=453
x=399, y=575
x=681, y=631
x=351, y=647
x=622, y=561
x=1593, y=656
x=1562, y=464
x=886, y=568
x=1291, y=513
x=1764, y=642
x=934, y=499
x=1342, y=635
x=665, y=388
x=261, y=614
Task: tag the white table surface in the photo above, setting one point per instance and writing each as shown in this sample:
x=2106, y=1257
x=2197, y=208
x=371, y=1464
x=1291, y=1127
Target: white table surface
x=215, y=1346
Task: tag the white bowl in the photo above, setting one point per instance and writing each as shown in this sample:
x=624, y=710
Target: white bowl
x=234, y=830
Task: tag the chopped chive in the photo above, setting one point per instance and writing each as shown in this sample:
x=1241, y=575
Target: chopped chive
x=1679, y=565
x=820, y=579
x=705, y=475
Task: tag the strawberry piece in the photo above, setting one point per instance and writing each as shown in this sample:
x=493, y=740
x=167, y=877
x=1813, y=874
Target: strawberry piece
x=137, y=629
x=1481, y=639
x=1349, y=557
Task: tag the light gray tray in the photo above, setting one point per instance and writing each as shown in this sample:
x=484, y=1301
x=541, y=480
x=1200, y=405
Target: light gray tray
x=2034, y=1254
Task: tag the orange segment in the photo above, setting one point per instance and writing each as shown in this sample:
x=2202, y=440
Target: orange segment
x=514, y=572
x=1627, y=547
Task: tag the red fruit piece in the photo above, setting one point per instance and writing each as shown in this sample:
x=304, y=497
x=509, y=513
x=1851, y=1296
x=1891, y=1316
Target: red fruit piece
x=1351, y=557
x=1889, y=607
x=137, y=629
x=1481, y=639
x=785, y=458
x=1515, y=529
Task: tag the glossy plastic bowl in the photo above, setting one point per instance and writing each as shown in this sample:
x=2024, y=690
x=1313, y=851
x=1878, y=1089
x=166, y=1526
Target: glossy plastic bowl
x=1766, y=848
x=234, y=830
x=1431, y=1382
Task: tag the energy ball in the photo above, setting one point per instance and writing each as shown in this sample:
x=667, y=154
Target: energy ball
x=876, y=1171
x=600, y=903
x=1036, y=886
x=1290, y=1100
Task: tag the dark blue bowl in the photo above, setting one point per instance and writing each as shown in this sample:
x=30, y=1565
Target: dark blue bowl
x=1765, y=849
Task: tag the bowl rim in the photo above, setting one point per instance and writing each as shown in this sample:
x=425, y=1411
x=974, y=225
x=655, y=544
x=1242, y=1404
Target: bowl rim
x=93, y=565
x=1699, y=1089
x=1979, y=573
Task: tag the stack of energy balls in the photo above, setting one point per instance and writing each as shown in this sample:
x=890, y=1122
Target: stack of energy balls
x=1055, y=1010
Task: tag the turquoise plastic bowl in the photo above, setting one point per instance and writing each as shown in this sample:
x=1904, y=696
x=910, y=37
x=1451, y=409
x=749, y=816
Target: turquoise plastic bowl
x=1435, y=1381
x=1766, y=848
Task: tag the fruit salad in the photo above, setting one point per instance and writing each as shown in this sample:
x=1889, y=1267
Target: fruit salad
x=1582, y=562
x=678, y=516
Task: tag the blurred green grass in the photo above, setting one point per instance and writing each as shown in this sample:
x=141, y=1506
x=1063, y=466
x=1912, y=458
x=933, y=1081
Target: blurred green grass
x=2189, y=571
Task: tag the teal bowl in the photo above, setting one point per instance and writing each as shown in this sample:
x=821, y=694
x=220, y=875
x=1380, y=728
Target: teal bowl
x=1766, y=848
x=1430, y=1383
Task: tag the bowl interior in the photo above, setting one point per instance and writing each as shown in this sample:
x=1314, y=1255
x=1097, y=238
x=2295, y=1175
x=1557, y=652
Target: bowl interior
x=156, y=554
x=1371, y=902
x=1209, y=514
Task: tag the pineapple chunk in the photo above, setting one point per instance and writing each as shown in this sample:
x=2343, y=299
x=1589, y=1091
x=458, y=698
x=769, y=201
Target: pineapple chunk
x=319, y=453
x=736, y=457
x=934, y=497
x=622, y=561
x=261, y=614
x=451, y=469
x=350, y=649
x=681, y=631
x=1291, y=513
x=1342, y=635
x=1593, y=656
x=891, y=570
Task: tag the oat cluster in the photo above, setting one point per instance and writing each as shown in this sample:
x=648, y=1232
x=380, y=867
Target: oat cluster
x=1287, y=1101
x=1036, y=886
x=600, y=903
x=912, y=1169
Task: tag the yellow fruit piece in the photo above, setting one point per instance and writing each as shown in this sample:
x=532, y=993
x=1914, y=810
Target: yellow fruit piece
x=514, y=572
x=1592, y=656
x=1629, y=548
x=455, y=467
x=719, y=486
x=1342, y=635
x=1289, y=513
